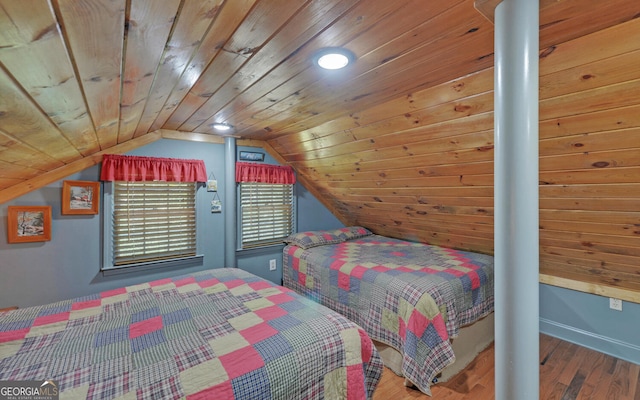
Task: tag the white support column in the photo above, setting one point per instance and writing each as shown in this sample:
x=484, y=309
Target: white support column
x=516, y=201
x=229, y=206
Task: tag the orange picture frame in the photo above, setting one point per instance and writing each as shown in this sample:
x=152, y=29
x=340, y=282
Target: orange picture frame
x=80, y=197
x=28, y=224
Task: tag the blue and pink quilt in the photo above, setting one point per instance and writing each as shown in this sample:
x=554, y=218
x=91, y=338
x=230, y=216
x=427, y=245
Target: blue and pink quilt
x=216, y=334
x=411, y=296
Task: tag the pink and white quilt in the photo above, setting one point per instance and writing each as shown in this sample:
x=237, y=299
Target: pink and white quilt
x=216, y=334
x=411, y=296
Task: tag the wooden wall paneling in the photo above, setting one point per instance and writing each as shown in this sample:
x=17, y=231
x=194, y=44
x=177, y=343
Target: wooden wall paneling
x=424, y=162
x=589, y=204
x=6, y=182
x=594, y=161
x=406, y=210
x=94, y=30
x=420, y=207
x=24, y=120
x=260, y=24
x=441, y=44
x=600, y=176
x=559, y=21
x=425, y=191
x=603, y=192
x=625, y=245
x=483, y=175
x=417, y=171
x=437, y=181
x=624, y=116
x=602, y=260
x=589, y=271
x=297, y=71
x=481, y=245
x=192, y=23
x=13, y=172
x=598, y=99
x=448, y=237
x=377, y=150
x=590, y=75
x=23, y=157
x=601, y=227
x=480, y=212
x=591, y=216
x=401, y=143
x=399, y=75
x=36, y=57
x=440, y=121
x=361, y=18
x=429, y=225
x=149, y=23
x=404, y=106
x=307, y=23
x=229, y=18
x=64, y=171
x=565, y=55
x=424, y=210
x=416, y=127
x=592, y=141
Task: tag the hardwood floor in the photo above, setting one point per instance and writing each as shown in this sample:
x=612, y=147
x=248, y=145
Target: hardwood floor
x=567, y=372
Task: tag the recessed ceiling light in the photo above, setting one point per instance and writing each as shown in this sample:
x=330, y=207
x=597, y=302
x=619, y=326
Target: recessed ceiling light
x=334, y=58
x=221, y=126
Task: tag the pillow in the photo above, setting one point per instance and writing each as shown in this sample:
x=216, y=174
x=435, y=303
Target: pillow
x=353, y=232
x=309, y=239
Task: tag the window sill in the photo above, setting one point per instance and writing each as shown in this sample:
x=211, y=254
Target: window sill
x=185, y=262
x=261, y=250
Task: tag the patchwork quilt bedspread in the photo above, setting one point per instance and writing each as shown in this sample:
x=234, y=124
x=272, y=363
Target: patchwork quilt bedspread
x=411, y=296
x=216, y=334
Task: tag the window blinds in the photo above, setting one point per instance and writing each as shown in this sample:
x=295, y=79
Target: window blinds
x=266, y=213
x=153, y=221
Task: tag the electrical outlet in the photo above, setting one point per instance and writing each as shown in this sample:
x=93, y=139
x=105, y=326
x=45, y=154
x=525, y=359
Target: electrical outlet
x=272, y=265
x=615, y=304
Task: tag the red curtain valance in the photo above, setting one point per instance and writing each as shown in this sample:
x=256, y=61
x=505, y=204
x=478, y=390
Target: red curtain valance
x=265, y=173
x=134, y=168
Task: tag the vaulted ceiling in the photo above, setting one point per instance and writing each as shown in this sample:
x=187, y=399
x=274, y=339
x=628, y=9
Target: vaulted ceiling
x=79, y=78
x=401, y=141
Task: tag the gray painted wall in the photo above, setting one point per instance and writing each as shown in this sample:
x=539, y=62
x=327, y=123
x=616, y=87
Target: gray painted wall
x=587, y=320
x=311, y=215
x=68, y=265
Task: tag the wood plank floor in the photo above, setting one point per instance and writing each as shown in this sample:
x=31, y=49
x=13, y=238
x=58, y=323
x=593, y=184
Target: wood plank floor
x=567, y=372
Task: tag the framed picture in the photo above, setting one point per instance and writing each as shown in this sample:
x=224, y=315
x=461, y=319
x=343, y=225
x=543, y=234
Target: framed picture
x=80, y=197
x=28, y=224
x=216, y=206
x=251, y=156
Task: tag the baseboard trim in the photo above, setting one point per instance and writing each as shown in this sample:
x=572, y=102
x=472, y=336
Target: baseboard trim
x=613, y=347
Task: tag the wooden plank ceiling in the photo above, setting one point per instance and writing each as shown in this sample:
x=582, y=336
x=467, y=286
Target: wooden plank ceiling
x=400, y=142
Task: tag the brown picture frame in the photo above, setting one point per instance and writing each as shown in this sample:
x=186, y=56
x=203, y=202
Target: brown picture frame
x=80, y=197
x=28, y=224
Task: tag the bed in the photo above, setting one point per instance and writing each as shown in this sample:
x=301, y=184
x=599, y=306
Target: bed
x=414, y=299
x=215, y=334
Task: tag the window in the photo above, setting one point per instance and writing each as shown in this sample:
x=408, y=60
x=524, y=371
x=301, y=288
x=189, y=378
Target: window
x=150, y=222
x=266, y=213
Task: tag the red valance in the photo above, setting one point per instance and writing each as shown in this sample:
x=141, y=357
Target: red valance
x=266, y=173
x=134, y=168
